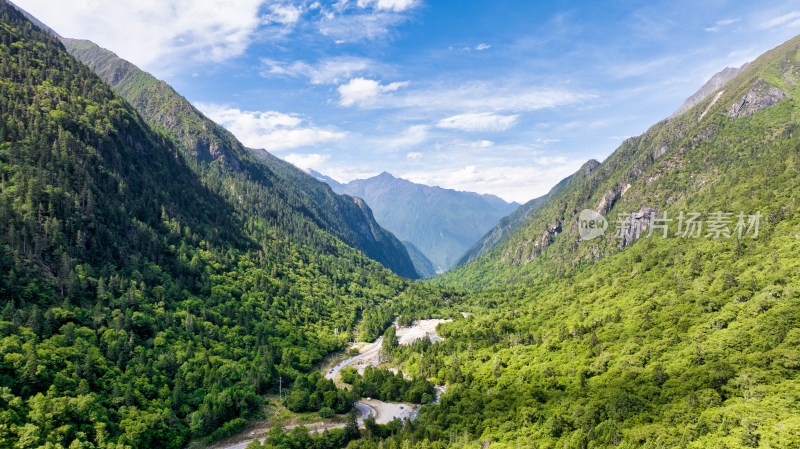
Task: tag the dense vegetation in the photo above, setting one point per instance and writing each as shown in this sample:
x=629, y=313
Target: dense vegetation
x=260, y=187
x=712, y=158
x=152, y=295
x=422, y=264
x=384, y=385
x=141, y=307
x=314, y=393
x=301, y=438
x=678, y=351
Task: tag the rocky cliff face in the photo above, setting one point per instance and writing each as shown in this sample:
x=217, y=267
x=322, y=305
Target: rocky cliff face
x=761, y=95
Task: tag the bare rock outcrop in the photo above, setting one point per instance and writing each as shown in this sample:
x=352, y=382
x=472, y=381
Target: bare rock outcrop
x=761, y=95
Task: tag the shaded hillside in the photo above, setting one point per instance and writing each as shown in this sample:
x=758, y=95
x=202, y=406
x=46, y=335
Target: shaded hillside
x=423, y=265
x=273, y=187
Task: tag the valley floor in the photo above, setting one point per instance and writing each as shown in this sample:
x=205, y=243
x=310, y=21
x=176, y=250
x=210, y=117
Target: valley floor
x=370, y=355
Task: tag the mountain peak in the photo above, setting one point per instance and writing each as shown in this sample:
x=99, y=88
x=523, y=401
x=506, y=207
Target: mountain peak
x=715, y=82
x=440, y=223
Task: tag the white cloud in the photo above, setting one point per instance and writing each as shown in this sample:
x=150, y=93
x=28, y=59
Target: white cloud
x=485, y=121
x=285, y=14
x=341, y=172
x=347, y=28
x=391, y=5
x=273, y=131
x=550, y=160
x=414, y=156
x=783, y=20
x=365, y=92
x=482, y=144
x=479, y=47
x=592, y=124
x=472, y=144
x=160, y=35
x=643, y=67
x=313, y=161
x=487, y=96
x=327, y=71
x=511, y=182
x=721, y=23
x=412, y=136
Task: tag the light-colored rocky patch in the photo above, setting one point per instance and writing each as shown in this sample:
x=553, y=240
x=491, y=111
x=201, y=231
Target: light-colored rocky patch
x=420, y=329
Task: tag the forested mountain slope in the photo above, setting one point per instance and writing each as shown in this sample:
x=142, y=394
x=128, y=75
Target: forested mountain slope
x=441, y=223
x=267, y=183
x=689, y=340
x=144, y=306
x=722, y=148
x=140, y=307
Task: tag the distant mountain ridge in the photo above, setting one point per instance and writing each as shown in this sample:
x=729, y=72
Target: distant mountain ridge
x=441, y=223
x=221, y=158
x=507, y=225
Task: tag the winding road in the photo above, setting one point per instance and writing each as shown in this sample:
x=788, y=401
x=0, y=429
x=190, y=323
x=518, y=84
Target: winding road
x=331, y=374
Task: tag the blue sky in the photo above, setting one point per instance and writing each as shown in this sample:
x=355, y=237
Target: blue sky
x=502, y=97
